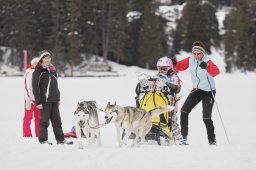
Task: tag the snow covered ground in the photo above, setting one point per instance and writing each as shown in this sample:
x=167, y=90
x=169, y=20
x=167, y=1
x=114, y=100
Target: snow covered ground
x=235, y=99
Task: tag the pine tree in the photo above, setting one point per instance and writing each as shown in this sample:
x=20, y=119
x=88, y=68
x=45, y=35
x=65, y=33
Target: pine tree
x=54, y=28
x=43, y=15
x=73, y=35
x=131, y=51
x=229, y=39
x=225, y=2
x=5, y=10
x=19, y=28
x=240, y=37
x=112, y=23
x=118, y=24
x=198, y=22
x=150, y=37
x=174, y=2
x=105, y=20
x=179, y=35
x=131, y=45
x=89, y=27
x=251, y=64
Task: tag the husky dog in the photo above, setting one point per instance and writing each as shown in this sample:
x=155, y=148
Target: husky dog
x=132, y=120
x=86, y=120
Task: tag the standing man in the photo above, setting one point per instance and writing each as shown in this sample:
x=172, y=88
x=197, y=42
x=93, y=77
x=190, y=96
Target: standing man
x=202, y=71
x=47, y=97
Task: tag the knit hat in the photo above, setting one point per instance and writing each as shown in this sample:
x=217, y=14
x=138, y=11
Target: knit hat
x=43, y=53
x=198, y=46
x=35, y=60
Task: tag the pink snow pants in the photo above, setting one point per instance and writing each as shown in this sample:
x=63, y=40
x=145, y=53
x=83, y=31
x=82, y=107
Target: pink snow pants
x=28, y=116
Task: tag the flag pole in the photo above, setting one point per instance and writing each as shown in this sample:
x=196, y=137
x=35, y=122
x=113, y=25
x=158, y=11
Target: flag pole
x=25, y=55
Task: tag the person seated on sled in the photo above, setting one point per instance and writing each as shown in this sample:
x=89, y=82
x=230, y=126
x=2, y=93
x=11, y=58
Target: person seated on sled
x=167, y=75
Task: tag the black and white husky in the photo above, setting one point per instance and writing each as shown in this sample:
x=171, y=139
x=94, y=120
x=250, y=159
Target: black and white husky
x=132, y=120
x=86, y=120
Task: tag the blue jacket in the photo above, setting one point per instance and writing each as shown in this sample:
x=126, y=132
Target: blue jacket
x=201, y=78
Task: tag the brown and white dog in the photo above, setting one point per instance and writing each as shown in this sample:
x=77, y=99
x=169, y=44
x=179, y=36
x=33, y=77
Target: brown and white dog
x=132, y=120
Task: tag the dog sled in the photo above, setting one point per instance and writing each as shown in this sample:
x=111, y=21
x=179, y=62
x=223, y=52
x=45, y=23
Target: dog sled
x=148, y=98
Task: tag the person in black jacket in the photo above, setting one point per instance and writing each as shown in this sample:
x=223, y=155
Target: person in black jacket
x=47, y=98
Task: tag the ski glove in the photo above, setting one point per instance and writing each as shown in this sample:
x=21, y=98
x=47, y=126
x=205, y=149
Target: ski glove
x=203, y=65
x=174, y=88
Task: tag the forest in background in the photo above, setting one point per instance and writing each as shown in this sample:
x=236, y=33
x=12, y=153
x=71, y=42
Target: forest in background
x=75, y=30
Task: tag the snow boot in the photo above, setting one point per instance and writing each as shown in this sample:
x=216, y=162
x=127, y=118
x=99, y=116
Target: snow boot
x=212, y=142
x=46, y=142
x=65, y=142
x=183, y=141
x=212, y=139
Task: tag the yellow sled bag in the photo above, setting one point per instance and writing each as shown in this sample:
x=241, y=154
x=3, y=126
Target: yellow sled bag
x=153, y=99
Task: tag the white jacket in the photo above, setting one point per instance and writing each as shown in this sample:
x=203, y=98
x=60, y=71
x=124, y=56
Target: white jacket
x=28, y=85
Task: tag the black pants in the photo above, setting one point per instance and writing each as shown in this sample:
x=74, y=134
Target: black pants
x=192, y=100
x=50, y=112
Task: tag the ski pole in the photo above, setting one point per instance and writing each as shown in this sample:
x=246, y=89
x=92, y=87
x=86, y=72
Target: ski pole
x=218, y=110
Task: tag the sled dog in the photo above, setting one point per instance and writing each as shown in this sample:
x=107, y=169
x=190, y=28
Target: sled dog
x=132, y=120
x=86, y=120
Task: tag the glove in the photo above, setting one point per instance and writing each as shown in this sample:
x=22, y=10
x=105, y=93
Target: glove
x=172, y=86
x=203, y=65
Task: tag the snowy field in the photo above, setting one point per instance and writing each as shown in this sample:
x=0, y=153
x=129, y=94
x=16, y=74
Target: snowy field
x=235, y=98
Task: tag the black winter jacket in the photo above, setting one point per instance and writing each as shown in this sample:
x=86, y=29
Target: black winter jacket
x=45, y=85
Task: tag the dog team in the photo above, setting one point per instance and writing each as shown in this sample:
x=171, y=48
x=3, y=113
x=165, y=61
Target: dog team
x=42, y=95
x=130, y=119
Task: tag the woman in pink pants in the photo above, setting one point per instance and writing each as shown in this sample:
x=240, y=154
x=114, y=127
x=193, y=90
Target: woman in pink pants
x=30, y=106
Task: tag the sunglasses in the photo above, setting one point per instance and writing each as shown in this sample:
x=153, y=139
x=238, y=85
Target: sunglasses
x=163, y=69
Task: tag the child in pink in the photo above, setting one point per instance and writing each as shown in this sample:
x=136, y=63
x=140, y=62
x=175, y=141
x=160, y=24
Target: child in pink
x=30, y=106
x=169, y=77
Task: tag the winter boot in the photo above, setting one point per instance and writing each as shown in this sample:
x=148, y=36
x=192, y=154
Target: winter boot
x=46, y=142
x=171, y=141
x=65, y=142
x=212, y=139
x=183, y=141
x=212, y=143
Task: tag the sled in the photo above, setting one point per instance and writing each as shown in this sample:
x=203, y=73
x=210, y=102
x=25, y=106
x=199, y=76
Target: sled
x=148, y=99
